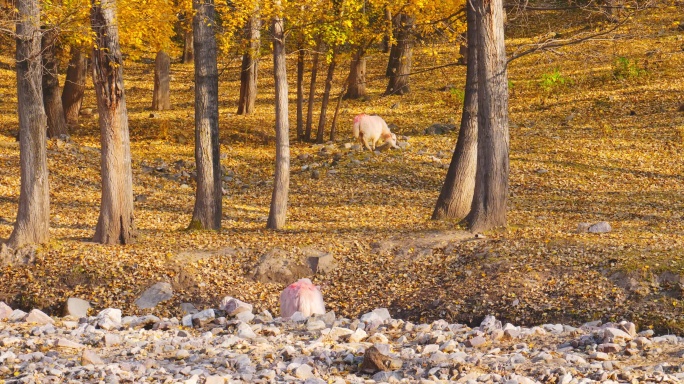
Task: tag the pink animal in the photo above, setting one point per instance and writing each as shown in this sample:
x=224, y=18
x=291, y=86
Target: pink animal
x=301, y=296
x=372, y=128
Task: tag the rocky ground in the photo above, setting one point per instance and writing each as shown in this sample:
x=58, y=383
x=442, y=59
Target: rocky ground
x=232, y=345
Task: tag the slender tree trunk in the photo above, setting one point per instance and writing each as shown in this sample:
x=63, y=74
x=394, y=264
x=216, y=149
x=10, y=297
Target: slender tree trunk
x=300, y=92
x=74, y=85
x=388, y=35
x=333, y=125
x=250, y=61
x=356, y=87
x=115, y=224
x=33, y=216
x=278, y=212
x=312, y=92
x=491, y=181
x=326, y=97
x=161, y=98
x=52, y=99
x=207, y=212
x=456, y=198
x=188, y=47
x=401, y=57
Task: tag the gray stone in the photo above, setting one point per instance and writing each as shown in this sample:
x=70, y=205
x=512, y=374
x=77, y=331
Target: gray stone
x=76, y=307
x=233, y=306
x=377, y=315
x=109, y=319
x=36, y=316
x=614, y=335
x=245, y=331
x=439, y=129
x=358, y=335
x=304, y=371
x=202, y=318
x=112, y=339
x=319, y=261
x=5, y=311
x=90, y=357
x=386, y=376
x=66, y=343
x=154, y=295
x=245, y=317
x=17, y=315
x=600, y=227
x=600, y=356
x=188, y=308
x=609, y=348
x=215, y=379
x=476, y=341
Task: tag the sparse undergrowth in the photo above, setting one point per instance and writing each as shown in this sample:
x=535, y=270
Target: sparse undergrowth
x=600, y=149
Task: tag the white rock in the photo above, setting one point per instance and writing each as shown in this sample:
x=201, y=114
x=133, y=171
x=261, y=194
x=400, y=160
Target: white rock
x=109, y=319
x=5, y=311
x=90, y=357
x=76, y=307
x=17, y=315
x=36, y=316
x=245, y=331
x=614, y=335
x=233, y=306
x=357, y=336
x=66, y=343
x=377, y=315
x=304, y=371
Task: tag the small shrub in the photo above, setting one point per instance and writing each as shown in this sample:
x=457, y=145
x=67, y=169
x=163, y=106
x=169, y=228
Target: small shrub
x=624, y=68
x=553, y=81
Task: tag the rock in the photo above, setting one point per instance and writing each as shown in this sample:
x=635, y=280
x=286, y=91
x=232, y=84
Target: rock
x=377, y=315
x=476, y=341
x=277, y=266
x=112, y=339
x=182, y=354
x=583, y=227
x=188, y=308
x=215, y=379
x=90, y=357
x=387, y=376
x=304, y=371
x=37, y=316
x=109, y=319
x=76, y=307
x=319, y=261
x=5, y=311
x=439, y=129
x=614, y=335
x=245, y=317
x=600, y=227
x=358, y=335
x=609, y=348
x=201, y=318
x=66, y=343
x=154, y=295
x=17, y=315
x=233, y=306
x=245, y=331
x=600, y=356
x=374, y=361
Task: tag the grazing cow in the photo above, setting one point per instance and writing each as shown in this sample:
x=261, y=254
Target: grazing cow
x=370, y=129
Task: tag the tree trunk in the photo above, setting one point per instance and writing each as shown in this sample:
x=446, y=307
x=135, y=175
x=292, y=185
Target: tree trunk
x=300, y=92
x=456, y=197
x=33, y=216
x=387, y=36
x=312, y=92
x=491, y=181
x=250, y=61
x=356, y=87
x=74, y=85
x=207, y=212
x=333, y=125
x=52, y=100
x=326, y=97
x=115, y=224
x=161, y=98
x=401, y=56
x=278, y=212
x=188, y=47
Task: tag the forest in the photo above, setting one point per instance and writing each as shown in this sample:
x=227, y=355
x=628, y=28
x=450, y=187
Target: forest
x=538, y=174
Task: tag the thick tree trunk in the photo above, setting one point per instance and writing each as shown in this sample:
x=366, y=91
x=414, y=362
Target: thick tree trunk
x=161, y=98
x=74, y=85
x=115, y=224
x=312, y=92
x=326, y=97
x=33, y=216
x=188, y=47
x=456, y=197
x=401, y=57
x=356, y=87
x=207, y=212
x=491, y=181
x=278, y=212
x=250, y=61
x=52, y=100
x=300, y=92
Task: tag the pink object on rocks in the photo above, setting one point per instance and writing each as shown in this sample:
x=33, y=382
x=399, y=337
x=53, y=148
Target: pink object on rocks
x=301, y=296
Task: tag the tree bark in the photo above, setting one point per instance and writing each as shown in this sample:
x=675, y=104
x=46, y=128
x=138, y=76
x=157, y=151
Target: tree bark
x=300, y=92
x=333, y=125
x=52, y=100
x=491, y=182
x=312, y=92
x=387, y=36
x=115, y=224
x=250, y=61
x=326, y=97
x=74, y=85
x=188, y=47
x=356, y=87
x=207, y=212
x=161, y=98
x=456, y=197
x=33, y=216
x=401, y=57
x=278, y=211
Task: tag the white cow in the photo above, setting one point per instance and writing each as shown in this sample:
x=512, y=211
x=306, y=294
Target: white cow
x=370, y=129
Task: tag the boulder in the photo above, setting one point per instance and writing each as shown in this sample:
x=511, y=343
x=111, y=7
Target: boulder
x=277, y=266
x=76, y=307
x=154, y=295
x=36, y=316
x=5, y=311
x=319, y=261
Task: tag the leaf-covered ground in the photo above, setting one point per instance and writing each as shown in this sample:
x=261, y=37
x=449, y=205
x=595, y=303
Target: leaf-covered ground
x=595, y=135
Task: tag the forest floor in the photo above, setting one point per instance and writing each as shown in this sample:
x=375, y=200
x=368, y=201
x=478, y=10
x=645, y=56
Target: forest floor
x=595, y=136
